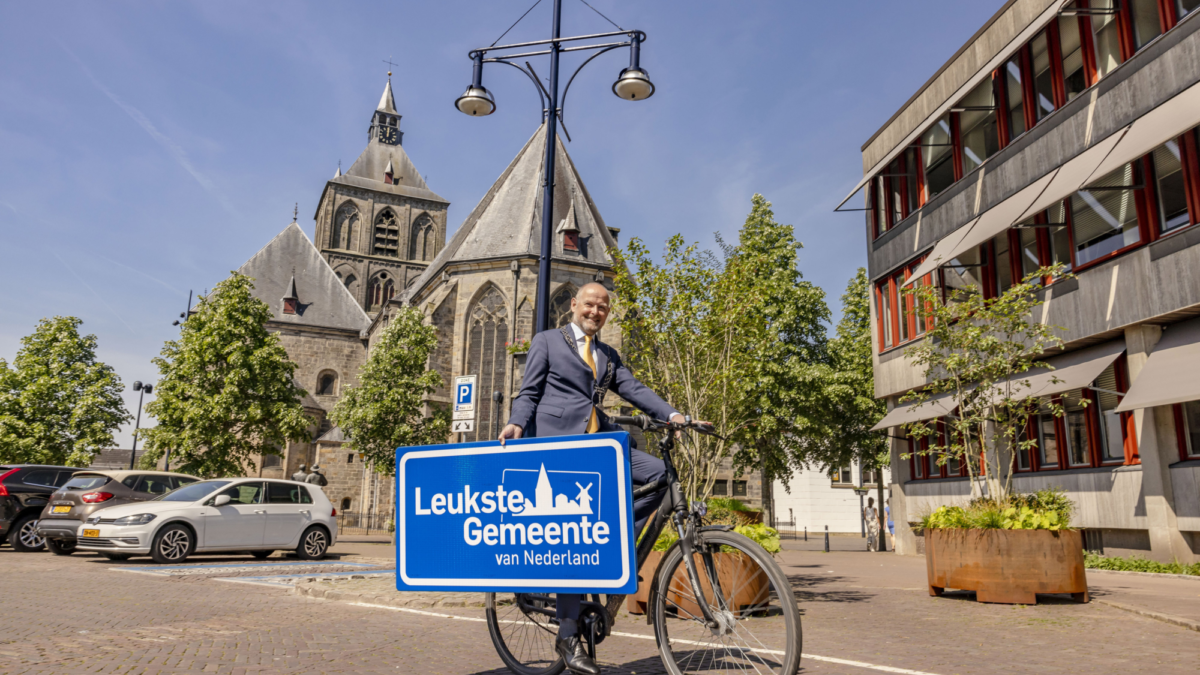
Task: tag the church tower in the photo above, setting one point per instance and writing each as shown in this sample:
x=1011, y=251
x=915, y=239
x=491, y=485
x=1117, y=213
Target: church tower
x=378, y=225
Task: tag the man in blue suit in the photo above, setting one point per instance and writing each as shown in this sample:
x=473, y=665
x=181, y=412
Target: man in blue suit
x=567, y=373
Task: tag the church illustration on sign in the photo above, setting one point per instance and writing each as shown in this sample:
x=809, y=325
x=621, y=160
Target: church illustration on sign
x=546, y=503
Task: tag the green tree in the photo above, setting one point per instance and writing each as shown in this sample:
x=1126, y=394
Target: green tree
x=732, y=342
x=387, y=409
x=58, y=404
x=846, y=408
x=226, y=393
x=978, y=351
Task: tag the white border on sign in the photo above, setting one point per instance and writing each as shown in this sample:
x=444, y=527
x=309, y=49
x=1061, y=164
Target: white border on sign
x=401, y=562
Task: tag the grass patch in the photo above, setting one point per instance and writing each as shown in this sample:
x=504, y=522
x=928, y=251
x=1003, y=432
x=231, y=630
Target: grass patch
x=1138, y=564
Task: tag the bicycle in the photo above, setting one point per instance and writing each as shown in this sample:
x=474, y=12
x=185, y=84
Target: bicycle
x=750, y=623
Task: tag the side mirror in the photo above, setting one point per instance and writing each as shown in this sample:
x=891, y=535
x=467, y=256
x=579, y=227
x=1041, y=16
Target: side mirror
x=221, y=500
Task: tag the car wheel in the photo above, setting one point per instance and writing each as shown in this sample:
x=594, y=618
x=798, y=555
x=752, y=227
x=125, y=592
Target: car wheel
x=172, y=544
x=61, y=547
x=24, y=536
x=261, y=554
x=313, y=544
x=117, y=557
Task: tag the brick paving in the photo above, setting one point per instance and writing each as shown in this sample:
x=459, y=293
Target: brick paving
x=74, y=615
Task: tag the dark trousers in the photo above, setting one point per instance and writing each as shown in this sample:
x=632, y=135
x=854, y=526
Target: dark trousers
x=644, y=469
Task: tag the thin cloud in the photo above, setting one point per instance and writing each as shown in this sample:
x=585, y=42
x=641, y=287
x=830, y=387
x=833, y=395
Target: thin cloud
x=88, y=286
x=156, y=280
x=173, y=149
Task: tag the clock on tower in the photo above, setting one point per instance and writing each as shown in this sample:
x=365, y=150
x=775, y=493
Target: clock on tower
x=388, y=135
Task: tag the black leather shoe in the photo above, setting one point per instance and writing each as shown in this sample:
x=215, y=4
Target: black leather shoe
x=575, y=655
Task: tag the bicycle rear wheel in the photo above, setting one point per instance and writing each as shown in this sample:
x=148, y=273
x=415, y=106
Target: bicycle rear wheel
x=522, y=632
x=759, y=628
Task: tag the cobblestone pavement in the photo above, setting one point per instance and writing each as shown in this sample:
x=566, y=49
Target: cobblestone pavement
x=76, y=615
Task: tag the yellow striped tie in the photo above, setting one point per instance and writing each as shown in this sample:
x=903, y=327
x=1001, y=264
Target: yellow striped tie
x=594, y=422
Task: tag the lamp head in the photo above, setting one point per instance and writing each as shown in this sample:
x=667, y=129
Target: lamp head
x=137, y=385
x=633, y=85
x=477, y=101
x=147, y=388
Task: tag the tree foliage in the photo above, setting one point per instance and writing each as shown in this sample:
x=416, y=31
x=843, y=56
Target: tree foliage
x=58, y=404
x=730, y=341
x=226, y=392
x=978, y=351
x=387, y=409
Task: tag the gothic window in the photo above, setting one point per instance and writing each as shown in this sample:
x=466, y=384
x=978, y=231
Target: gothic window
x=344, y=225
x=486, y=356
x=270, y=461
x=381, y=290
x=560, y=306
x=387, y=234
x=327, y=383
x=349, y=280
x=423, y=238
x=440, y=359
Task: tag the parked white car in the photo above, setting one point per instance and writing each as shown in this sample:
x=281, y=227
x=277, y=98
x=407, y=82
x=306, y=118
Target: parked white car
x=228, y=514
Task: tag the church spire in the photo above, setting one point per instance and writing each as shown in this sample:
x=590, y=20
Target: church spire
x=387, y=104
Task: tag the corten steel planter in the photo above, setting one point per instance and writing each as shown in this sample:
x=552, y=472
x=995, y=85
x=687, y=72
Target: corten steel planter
x=1006, y=566
x=636, y=603
x=737, y=574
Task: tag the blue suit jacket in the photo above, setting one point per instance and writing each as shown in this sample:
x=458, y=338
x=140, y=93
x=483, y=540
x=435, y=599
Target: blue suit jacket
x=557, y=390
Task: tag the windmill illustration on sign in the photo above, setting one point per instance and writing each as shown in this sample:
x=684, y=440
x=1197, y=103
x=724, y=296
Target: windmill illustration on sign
x=546, y=502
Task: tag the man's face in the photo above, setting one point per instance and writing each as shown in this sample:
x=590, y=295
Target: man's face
x=590, y=307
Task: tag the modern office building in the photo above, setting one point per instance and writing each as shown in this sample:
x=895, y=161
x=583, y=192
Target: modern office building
x=1061, y=132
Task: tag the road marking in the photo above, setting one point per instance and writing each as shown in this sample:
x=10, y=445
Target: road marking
x=279, y=578
x=167, y=570
x=814, y=657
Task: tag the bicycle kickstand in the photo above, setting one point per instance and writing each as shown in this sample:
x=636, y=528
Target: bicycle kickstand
x=591, y=640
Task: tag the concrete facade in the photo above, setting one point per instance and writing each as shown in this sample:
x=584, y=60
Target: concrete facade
x=1149, y=507
x=812, y=500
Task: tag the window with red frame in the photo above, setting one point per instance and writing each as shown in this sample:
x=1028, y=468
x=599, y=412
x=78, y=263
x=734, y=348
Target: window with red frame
x=900, y=318
x=924, y=463
x=1090, y=433
x=1187, y=425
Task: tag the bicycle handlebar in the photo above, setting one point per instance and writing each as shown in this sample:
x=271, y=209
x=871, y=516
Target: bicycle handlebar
x=647, y=423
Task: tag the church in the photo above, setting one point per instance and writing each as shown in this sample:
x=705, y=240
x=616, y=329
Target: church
x=381, y=243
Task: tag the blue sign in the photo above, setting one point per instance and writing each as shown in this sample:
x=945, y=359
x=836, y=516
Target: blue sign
x=540, y=514
x=464, y=394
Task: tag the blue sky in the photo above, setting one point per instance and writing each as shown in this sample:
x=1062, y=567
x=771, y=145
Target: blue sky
x=148, y=148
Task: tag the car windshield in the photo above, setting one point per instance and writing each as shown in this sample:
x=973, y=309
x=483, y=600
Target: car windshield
x=86, y=482
x=193, y=492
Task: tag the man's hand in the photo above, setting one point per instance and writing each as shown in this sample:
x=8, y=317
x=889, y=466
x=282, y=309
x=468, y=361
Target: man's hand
x=679, y=419
x=510, y=431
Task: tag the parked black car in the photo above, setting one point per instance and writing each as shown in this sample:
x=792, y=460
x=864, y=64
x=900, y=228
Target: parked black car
x=25, y=490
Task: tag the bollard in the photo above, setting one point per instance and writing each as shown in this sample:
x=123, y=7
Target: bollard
x=805, y=533
x=827, y=539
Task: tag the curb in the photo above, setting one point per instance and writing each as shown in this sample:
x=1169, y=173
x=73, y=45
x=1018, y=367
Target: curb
x=1156, y=575
x=394, y=599
x=1157, y=616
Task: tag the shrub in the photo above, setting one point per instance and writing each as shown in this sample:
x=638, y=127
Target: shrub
x=1138, y=564
x=760, y=534
x=1043, y=510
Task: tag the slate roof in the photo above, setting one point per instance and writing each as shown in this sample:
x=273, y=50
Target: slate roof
x=507, y=222
x=290, y=259
x=334, y=435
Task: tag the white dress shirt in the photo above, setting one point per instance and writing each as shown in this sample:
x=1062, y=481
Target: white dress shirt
x=581, y=343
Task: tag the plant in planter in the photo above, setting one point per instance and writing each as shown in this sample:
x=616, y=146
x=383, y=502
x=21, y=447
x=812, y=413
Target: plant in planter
x=978, y=351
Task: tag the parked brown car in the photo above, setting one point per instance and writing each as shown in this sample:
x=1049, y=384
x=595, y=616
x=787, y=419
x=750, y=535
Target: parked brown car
x=89, y=491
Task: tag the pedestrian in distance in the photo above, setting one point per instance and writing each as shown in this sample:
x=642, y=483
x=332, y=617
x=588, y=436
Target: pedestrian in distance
x=567, y=373
x=300, y=475
x=316, y=477
x=871, y=514
x=891, y=524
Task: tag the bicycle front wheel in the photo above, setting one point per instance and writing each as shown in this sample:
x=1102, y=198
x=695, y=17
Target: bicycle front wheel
x=758, y=622
x=522, y=633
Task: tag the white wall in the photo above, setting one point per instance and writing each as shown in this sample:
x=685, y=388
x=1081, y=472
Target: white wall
x=815, y=502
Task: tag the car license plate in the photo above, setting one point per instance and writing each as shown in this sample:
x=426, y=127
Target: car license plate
x=61, y=509
x=91, y=533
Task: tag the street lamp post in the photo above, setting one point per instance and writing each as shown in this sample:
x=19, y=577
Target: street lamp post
x=144, y=389
x=633, y=84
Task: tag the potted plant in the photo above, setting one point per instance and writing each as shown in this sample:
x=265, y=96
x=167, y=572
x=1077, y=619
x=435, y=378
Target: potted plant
x=1006, y=552
x=1006, y=547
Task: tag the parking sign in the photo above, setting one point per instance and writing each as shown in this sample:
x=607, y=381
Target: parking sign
x=464, y=393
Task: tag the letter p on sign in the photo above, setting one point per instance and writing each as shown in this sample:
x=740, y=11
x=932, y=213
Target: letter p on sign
x=464, y=393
